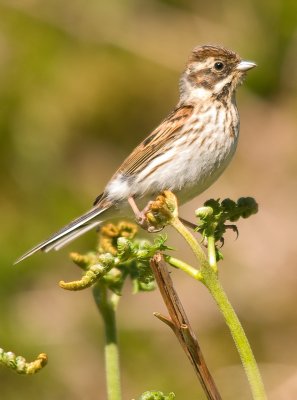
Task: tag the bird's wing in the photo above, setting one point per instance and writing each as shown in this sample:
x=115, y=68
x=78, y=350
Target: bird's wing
x=157, y=142
x=160, y=140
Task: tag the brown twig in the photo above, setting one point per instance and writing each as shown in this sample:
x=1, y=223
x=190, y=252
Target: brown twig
x=180, y=325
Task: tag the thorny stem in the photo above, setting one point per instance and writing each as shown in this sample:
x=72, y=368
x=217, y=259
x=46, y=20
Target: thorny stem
x=107, y=307
x=209, y=277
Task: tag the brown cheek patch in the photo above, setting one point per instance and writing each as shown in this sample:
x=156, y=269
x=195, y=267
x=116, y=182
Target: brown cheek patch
x=204, y=83
x=207, y=78
x=202, y=78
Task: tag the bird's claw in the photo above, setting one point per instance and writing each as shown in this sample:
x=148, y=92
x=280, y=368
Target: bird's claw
x=143, y=221
x=154, y=229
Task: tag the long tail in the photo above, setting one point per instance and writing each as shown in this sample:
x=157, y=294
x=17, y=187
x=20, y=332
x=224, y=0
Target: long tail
x=65, y=235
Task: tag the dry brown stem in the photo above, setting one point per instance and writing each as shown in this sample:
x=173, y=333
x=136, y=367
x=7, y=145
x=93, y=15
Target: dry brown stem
x=180, y=325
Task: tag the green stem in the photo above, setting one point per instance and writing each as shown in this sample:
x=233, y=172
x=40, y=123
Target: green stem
x=190, y=239
x=208, y=275
x=212, y=259
x=107, y=307
x=188, y=269
x=245, y=352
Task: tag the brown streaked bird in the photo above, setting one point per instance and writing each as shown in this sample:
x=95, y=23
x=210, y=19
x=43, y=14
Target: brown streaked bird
x=185, y=154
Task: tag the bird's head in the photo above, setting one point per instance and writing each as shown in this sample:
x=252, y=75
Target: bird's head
x=211, y=72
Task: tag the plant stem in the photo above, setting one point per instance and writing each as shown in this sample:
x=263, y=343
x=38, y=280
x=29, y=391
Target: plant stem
x=188, y=269
x=243, y=347
x=107, y=307
x=208, y=275
x=212, y=253
x=180, y=325
x=196, y=248
x=245, y=352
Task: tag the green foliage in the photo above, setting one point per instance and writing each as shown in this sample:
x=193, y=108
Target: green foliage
x=120, y=254
x=153, y=395
x=215, y=214
x=134, y=256
x=127, y=257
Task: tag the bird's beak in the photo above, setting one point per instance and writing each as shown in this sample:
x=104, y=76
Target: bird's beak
x=244, y=66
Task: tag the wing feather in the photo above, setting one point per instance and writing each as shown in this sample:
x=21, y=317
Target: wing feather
x=157, y=141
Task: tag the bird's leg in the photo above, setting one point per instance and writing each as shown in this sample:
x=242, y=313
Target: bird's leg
x=138, y=214
x=141, y=215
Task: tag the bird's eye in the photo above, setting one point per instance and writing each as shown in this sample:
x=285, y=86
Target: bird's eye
x=219, y=65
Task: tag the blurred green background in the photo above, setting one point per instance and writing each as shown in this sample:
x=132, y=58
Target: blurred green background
x=81, y=83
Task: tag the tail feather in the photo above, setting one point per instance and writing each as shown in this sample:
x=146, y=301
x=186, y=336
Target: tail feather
x=68, y=233
x=59, y=243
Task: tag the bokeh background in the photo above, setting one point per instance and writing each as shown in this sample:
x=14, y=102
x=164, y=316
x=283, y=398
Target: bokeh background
x=81, y=83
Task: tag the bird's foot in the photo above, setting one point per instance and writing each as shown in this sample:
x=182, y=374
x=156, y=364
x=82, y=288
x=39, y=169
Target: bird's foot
x=142, y=216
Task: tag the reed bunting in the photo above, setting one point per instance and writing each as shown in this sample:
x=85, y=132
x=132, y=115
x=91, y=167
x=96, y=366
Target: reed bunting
x=185, y=154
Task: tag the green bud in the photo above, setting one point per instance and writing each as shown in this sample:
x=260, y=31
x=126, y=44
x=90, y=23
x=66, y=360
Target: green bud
x=154, y=395
x=204, y=212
